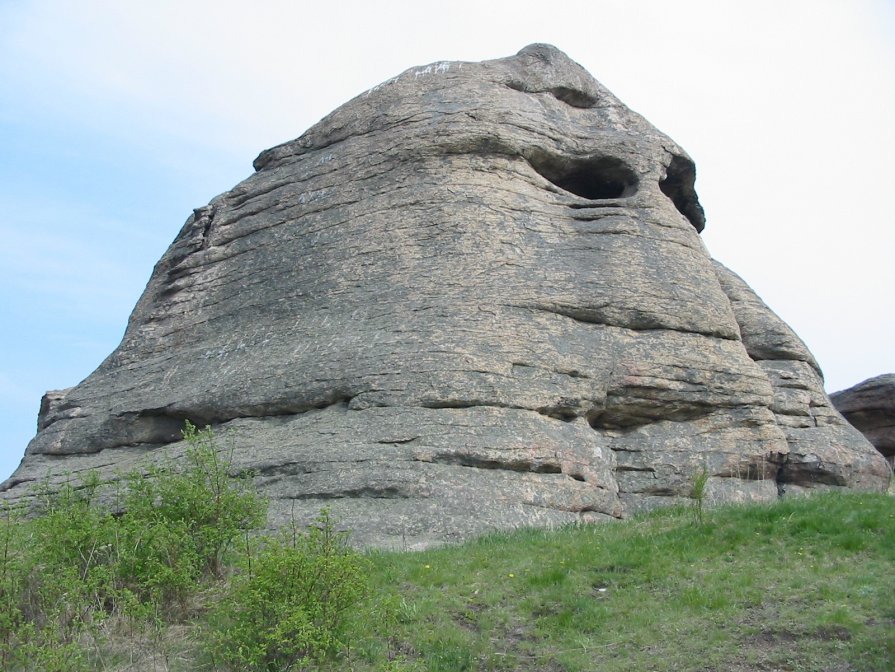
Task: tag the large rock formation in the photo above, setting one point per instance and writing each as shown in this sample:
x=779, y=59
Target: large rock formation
x=870, y=406
x=473, y=297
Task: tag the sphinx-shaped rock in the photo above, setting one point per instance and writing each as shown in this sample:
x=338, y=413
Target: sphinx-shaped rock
x=473, y=297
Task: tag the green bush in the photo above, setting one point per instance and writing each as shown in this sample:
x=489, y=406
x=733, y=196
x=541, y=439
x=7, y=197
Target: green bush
x=74, y=562
x=214, y=507
x=291, y=603
x=179, y=522
x=12, y=577
x=55, y=581
x=157, y=564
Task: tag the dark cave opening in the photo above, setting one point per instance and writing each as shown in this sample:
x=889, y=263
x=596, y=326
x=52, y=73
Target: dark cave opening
x=594, y=178
x=679, y=186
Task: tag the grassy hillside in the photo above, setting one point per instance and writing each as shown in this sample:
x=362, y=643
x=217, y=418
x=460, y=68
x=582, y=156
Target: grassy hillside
x=178, y=582
x=805, y=584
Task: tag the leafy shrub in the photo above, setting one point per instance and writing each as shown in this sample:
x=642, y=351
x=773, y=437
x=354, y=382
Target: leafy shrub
x=214, y=507
x=157, y=564
x=55, y=581
x=178, y=523
x=290, y=605
x=11, y=579
x=75, y=562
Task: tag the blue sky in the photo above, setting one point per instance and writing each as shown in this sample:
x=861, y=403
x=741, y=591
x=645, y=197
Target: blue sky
x=118, y=118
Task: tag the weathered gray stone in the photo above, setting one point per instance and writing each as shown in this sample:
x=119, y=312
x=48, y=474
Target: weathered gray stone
x=473, y=297
x=823, y=449
x=870, y=407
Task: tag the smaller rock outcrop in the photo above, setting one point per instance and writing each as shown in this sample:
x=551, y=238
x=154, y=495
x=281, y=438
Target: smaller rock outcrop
x=870, y=407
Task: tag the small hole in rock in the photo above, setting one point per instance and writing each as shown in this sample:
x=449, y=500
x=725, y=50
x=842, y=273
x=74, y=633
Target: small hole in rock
x=573, y=97
x=566, y=94
x=594, y=178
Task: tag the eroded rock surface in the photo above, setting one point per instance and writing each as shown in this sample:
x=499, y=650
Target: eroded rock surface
x=473, y=297
x=870, y=406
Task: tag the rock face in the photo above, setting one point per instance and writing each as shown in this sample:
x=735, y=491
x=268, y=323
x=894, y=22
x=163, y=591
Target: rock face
x=870, y=406
x=473, y=297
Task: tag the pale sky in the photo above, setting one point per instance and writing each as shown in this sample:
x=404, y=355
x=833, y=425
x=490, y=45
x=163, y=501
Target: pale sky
x=118, y=118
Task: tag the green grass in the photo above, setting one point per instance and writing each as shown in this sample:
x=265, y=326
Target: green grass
x=805, y=584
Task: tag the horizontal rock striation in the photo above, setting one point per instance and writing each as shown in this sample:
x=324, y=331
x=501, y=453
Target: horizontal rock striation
x=870, y=407
x=473, y=297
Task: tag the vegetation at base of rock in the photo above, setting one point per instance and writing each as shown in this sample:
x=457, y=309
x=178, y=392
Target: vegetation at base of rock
x=697, y=493
x=202, y=503
x=805, y=583
x=288, y=605
x=75, y=565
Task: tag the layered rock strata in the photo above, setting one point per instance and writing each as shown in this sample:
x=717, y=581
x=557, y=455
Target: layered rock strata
x=473, y=297
x=870, y=407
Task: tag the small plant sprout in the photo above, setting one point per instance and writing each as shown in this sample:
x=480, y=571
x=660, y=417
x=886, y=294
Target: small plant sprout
x=697, y=492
